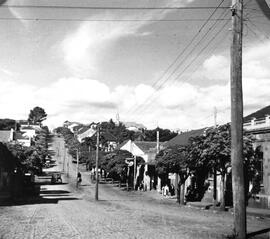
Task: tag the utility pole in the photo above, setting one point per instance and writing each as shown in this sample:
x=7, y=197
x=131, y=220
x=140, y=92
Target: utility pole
x=77, y=166
x=96, y=194
x=67, y=165
x=239, y=207
x=135, y=171
x=215, y=116
x=64, y=159
x=215, y=170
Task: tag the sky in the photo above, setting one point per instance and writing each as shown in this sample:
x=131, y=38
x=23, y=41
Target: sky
x=86, y=61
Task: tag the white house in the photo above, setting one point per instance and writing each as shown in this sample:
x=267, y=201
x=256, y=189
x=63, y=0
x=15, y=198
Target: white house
x=147, y=150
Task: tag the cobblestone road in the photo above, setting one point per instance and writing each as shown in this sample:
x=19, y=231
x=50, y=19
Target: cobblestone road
x=62, y=211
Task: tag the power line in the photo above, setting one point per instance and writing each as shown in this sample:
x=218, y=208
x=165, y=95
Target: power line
x=194, y=59
x=108, y=8
x=178, y=56
x=105, y=20
x=256, y=27
x=177, y=67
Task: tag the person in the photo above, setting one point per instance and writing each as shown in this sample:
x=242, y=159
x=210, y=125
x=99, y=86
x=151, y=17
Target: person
x=166, y=189
x=79, y=178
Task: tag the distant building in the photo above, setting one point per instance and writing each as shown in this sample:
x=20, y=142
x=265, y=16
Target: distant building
x=11, y=136
x=258, y=125
x=133, y=126
x=183, y=138
x=148, y=151
x=71, y=125
x=84, y=132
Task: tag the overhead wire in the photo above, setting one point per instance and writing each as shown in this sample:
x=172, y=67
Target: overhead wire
x=181, y=63
x=106, y=8
x=193, y=60
x=160, y=79
x=104, y=20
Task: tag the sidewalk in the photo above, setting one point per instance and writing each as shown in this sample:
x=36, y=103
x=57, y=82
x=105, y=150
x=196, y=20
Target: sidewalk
x=257, y=212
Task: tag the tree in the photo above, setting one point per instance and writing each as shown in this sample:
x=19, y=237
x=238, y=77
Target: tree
x=37, y=115
x=213, y=151
x=174, y=159
x=30, y=159
x=7, y=124
x=114, y=164
x=164, y=134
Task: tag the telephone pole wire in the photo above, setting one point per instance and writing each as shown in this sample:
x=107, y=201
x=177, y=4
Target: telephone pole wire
x=239, y=206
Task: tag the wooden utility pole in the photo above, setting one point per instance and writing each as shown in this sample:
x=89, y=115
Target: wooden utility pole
x=239, y=206
x=97, y=155
x=135, y=172
x=215, y=170
x=77, y=166
x=64, y=159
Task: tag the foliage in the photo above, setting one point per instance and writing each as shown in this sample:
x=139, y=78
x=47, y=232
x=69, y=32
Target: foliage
x=30, y=159
x=7, y=124
x=37, y=115
x=114, y=163
x=173, y=159
x=7, y=160
x=164, y=134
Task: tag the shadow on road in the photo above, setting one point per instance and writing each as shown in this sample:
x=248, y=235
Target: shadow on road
x=260, y=232
x=45, y=197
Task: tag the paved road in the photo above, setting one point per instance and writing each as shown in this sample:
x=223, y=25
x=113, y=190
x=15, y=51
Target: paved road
x=62, y=211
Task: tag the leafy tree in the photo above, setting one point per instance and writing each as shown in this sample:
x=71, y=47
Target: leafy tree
x=31, y=159
x=164, y=134
x=114, y=164
x=213, y=151
x=174, y=159
x=37, y=115
x=7, y=124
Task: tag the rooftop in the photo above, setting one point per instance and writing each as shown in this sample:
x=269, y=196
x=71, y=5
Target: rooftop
x=146, y=145
x=183, y=138
x=259, y=114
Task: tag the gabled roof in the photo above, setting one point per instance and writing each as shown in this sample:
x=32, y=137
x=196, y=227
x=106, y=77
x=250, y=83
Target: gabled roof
x=4, y=135
x=108, y=136
x=145, y=145
x=261, y=113
x=81, y=129
x=19, y=135
x=183, y=138
x=27, y=128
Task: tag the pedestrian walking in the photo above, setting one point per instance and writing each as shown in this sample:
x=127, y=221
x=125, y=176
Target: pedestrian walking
x=79, y=179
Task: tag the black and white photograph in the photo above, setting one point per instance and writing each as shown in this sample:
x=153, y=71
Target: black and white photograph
x=134, y=119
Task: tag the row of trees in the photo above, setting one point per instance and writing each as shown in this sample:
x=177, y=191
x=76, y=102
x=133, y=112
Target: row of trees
x=33, y=158
x=119, y=131
x=208, y=153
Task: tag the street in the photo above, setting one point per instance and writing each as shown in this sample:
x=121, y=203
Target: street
x=62, y=211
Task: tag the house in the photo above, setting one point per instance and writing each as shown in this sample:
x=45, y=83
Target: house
x=84, y=132
x=147, y=150
x=132, y=126
x=71, y=125
x=25, y=124
x=182, y=139
x=6, y=136
x=22, y=139
x=258, y=125
x=28, y=131
x=11, y=136
x=108, y=141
